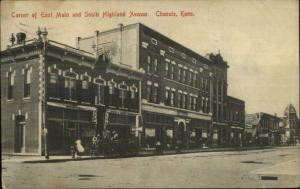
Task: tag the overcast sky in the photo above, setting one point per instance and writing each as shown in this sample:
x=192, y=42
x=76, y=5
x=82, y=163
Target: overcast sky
x=259, y=39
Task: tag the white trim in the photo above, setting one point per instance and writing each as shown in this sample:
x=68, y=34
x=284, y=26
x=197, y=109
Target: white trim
x=179, y=65
x=173, y=89
x=171, y=49
x=162, y=52
x=194, y=60
x=185, y=93
x=167, y=88
x=145, y=44
x=179, y=91
x=149, y=83
x=184, y=67
x=173, y=62
x=167, y=60
x=154, y=41
x=156, y=84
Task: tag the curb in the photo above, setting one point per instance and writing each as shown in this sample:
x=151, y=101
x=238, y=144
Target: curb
x=147, y=154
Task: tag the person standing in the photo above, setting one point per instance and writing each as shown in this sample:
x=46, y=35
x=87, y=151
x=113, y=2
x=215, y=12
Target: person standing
x=79, y=147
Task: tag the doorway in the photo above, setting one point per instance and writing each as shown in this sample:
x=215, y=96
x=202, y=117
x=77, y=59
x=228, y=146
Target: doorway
x=20, y=134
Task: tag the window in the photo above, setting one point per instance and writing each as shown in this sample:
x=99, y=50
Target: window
x=153, y=41
x=166, y=68
x=148, y=64
x=154, y=94
x=111, y=93
x=194, y=103
x=167, y=97
x=70, y=88
x=27, y=82
x=122, y=94
x=148, y=92
x=183, y=76
x=99, y=90
x=190, y=78
x=171, y=71
x=190, y=104
x=172, y=98
x=203, y=104
x=179, y=74
x=194, y=80
x=155, y=65
x=85, y=94
x=10, y=85
x=53, y=85
x=179, y=103
x=183, y=101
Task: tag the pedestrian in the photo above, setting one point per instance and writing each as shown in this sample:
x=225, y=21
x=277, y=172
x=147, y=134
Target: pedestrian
x=79, y=147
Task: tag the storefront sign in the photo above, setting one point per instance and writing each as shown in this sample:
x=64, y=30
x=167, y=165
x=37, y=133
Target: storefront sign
x=149, y=132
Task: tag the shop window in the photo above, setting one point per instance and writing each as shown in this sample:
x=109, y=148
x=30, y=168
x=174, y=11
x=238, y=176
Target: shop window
x=10, y=85
x=27, y=82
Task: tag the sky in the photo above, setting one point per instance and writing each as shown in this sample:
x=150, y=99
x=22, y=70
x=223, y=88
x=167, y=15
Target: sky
x=258, y=38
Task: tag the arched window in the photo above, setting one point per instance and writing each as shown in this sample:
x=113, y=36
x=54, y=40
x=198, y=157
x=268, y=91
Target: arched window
x=70, y=84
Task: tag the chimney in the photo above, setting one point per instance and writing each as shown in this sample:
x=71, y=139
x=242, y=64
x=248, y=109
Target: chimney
x=77, y=42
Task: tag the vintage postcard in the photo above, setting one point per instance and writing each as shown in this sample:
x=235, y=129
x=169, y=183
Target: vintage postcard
x=150, y=94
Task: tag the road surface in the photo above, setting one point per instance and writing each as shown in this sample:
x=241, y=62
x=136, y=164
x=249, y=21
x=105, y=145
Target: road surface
x=277, y=167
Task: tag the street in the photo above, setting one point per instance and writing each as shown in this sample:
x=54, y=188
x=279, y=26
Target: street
x=277, y=167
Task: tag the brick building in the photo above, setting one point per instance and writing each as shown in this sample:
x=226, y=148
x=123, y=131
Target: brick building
x=131, y=79
x=183, y=93
x=55, y=93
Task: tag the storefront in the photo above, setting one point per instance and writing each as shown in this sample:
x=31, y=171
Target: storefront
x=67, y=123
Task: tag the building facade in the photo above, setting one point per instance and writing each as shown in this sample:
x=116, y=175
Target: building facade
x=290, y=125
x=265, y=129
x=131, y=79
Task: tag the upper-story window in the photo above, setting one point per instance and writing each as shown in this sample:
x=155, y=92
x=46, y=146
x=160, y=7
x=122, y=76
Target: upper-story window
x=85, y=87
x=149, y=91
x=133, y=102
x=123, y=89
x=179, y=74
x=172, y=71
x=148, y=64
x=27, y=81
x=10, y=84
x=194, y=103
x=155, y=93
x=194, y=79
x=99, y=90
x=183, y=76
x=179, y=101
x=70, y=84
x=167, y=96
x=54, y=85
x=172, y=97
x=154, y=65
x=154, y=41
x=190, y=78
x=111, y=92
x=166, y=68
x=183, y=101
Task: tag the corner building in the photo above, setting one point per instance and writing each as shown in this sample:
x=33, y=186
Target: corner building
x=183, y=93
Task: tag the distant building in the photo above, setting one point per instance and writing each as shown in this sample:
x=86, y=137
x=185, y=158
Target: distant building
x=291, y=125
x=264, y=129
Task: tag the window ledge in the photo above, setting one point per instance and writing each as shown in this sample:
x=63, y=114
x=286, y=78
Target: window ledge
x=70, y=101
x=26, y=98
x=10, y=100
x=53, y=98
x=85, y=103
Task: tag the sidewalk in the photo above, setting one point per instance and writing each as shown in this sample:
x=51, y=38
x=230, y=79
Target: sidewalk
x=54, y=159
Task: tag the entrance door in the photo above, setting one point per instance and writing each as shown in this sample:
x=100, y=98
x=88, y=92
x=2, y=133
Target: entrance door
x=20, y=134
x=71, y=135
x=181, y=132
